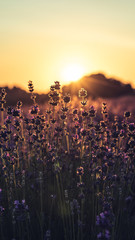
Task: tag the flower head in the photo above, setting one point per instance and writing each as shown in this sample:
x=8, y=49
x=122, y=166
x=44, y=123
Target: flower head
x=82, y=92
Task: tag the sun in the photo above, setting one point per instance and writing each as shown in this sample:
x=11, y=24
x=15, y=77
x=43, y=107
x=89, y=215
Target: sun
x=72, y=72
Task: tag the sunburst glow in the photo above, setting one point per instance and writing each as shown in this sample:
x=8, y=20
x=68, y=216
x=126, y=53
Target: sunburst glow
x=72, y=72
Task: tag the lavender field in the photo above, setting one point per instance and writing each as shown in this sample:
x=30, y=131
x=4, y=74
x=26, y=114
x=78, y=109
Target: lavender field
x=67, y=168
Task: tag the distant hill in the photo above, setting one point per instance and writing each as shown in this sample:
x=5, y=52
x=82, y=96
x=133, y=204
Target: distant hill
x=97, y=85
x=17, y=94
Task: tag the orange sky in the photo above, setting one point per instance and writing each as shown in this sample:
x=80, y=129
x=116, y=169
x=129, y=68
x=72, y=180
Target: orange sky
x=39, y=39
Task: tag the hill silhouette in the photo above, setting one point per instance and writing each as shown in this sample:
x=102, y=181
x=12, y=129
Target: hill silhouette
x=17, y=94
x=97, y=85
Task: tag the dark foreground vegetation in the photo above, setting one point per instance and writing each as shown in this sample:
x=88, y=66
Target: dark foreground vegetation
x=67, y=170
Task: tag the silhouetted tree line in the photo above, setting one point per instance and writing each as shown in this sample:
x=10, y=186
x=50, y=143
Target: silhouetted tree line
x=97, y=85
x=15, y=94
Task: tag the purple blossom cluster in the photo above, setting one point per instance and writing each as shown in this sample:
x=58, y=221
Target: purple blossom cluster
x=67, y=170
x=20, y=210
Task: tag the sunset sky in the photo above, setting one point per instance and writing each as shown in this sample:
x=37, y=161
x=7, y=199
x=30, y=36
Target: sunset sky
x=44, y=40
